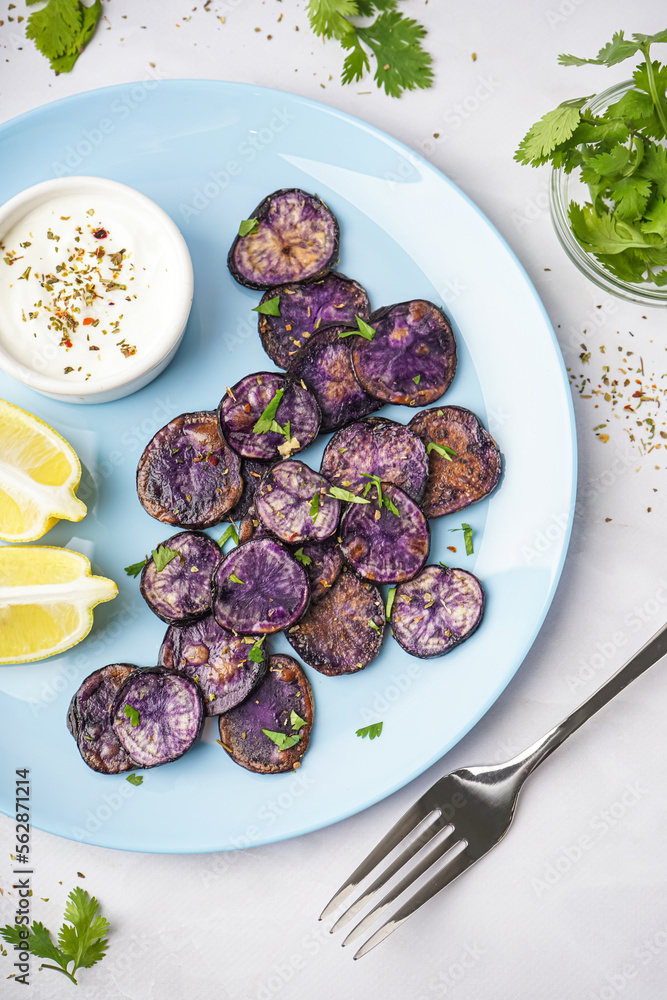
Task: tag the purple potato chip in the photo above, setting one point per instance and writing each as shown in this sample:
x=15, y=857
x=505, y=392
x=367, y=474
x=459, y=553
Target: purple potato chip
x=89, y=720
x=284, y=501
x=381, y=545
x=342, y=633
x=274, y=706
x=259, y=587
x=304, y=308
x=188, y=475
x=436, y=610
x=322, y=562
x=377, y=447
x=181, y=591
x=252, y=471
x=325, y=366
x=157, y=715
x=217, y=660
x=412, y=357
x=466, y=476
x=243, y=405
x=295, y=239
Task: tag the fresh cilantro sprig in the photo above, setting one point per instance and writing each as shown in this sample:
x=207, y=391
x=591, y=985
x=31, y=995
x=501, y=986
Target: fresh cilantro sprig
x=161, y=556
x=300, y=555
x=256, y=654
x=383, y=499
x=61, y=30
x=621, y=156
x=364, y=330
x=371, y=731
x=81, y=939
x=393, y=39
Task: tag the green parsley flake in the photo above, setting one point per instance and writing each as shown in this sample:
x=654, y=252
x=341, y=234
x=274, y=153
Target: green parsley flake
x=234, y=578
x=131, y=713
x=338, y=493
x=363, y=330
x=267, y=421
x=371, y=731
x=315, y=507
x=256, y=654
x=441, y=449
x=296, y=722
x=135, y=779
x=248, y=226
x=136, y=568
x=282, y=740
x=300, y=555
x=467, y=537
x=269, y=308
x=232, y=533
x=163, y=555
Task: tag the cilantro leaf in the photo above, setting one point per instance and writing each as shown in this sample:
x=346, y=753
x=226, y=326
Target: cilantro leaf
x=467, y=537
x=338, y=493
x=230, y=532
x=256, y=654
x=62, y=29
x=282, y=740
x=163, y=555
x=135, y=779
x=615, y=51
x=553, y=128
x=328, y=17
x=296, y=722
x=301, y=556
x=269, y=308
x=136, y=568
x=234, y=578
x=631, y=195
x=131, y=713
x=657, y=218
x=402, y=63
x=417, y=379
x=263, y=424
x=441, y=449
x=603, y=234
x=248, y=226
x=391, y=506
x=315, y=506
x=82, y=934
x=89, y=18
x=363, y=330
x=390, y=602
x=371, y=731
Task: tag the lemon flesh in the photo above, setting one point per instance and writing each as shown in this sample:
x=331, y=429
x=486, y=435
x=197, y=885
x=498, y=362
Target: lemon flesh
x=39, y=473
x=47, y=596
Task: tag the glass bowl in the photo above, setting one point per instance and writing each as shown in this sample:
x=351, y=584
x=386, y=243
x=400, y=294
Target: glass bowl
x=568, y=187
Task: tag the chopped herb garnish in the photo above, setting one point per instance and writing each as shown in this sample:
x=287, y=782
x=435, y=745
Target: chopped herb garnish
x=441, y=449
x=269, y=308
x=248, y=226
x=135, y=779
x=131, y=714
x=444, y=565
x=163, y=555
x=256, y=654
x=338, y=493
x=390, y=601
x=383, y=499
x=300, y=555
x=467, y=537
x=232, y=533
x=417, y=379
x=371, y=731
x=315, y=507
x=268, y=417
x=296, y=722
x=391, y=506
x=363, y=330
x=234, y=578
x=282, y=740
x=373, y=625
x=136, y=568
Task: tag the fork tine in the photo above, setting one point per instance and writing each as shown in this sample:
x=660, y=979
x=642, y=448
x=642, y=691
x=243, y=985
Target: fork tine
x=408, y=821
x=425, y=837
x=411, y=876
x=457, y=866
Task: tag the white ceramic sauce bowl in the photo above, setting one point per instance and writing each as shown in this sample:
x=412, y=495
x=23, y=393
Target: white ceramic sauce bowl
x=161, y=335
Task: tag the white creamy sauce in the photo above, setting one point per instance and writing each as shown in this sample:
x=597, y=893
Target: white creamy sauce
x=85, y=288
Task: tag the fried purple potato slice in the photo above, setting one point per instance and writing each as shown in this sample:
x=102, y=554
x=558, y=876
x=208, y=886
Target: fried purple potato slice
x=89, y=720
x=322, y=562
x=259, y=587
x=242, y=406
x=181, y=591
x=381, y=545
x=436, y=610
x=157, y=715
x=469, y=475
x=343, y=632
x=376, y=447
x=283, y=691
x=252, y=471
x=325, y=366
x=304, y=308
x=411, y=360
x=296, y=239
x=217, y=660
x=188, y=475
x=284, y=501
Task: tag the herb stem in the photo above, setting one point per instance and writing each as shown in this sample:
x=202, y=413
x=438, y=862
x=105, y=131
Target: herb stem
x=58, y=968
x=653, y=88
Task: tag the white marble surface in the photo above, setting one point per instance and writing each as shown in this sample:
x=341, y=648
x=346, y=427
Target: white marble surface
x=572, y=904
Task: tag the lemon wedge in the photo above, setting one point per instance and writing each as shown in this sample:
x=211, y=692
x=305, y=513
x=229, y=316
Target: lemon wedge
x=39, y=473
x=47, y=596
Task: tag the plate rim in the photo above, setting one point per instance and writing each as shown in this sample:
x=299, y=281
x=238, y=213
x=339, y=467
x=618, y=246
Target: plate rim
x=412, y=155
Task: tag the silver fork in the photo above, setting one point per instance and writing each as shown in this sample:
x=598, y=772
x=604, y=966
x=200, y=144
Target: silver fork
x=472, y=809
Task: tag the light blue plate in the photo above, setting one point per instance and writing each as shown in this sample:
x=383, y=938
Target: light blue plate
x=208, y=152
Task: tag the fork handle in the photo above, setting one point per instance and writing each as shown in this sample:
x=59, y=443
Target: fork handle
x=649, y=654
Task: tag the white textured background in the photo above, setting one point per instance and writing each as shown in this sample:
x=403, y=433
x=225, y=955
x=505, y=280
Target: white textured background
x=542, y=918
